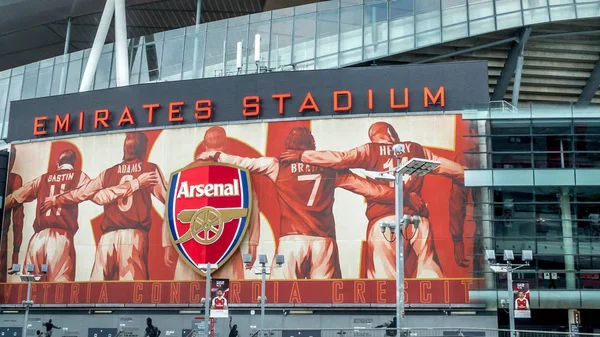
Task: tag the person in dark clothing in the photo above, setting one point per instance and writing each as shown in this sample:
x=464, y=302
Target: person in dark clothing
x=391, y=329
x=233, y=331
x=151, y=330
x=49, y=326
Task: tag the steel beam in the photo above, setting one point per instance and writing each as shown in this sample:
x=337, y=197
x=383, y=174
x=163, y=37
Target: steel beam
x=591, y=86
x=87, y=80
x=467, y=50
x=510, y=65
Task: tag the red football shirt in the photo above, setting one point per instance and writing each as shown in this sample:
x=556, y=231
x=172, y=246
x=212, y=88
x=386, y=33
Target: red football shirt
x=48, y=185
x=521, y=304
x=219, y=303
x=130, y=212
x=305, y=193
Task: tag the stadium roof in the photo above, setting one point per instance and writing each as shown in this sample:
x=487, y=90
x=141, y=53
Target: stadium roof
x=32, y=30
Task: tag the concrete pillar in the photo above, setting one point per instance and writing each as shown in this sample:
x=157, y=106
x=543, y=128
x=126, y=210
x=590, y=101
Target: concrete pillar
x=487, y=227
x=567, y=233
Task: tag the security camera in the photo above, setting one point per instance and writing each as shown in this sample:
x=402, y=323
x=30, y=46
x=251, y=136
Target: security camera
x=416, y=220
x=490, y=255
x=279, y=259
x=382, y=227
x=203, y=300
x=285, y=313
x=399, y=149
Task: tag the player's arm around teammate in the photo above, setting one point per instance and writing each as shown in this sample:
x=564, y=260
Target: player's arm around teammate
x=381, y=193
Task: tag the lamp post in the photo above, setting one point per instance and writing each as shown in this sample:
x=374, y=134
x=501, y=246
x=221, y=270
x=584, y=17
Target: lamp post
x=508, y=268
x=209, y=267
x=262, y=269
x=417, y=167
x=28, y=277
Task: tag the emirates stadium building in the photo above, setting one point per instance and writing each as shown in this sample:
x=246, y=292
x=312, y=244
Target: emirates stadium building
x=171, y=158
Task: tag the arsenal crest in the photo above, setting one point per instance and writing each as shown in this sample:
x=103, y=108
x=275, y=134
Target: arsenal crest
x=208, y=210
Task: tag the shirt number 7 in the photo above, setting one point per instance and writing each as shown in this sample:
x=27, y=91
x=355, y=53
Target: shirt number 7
x=313, y=193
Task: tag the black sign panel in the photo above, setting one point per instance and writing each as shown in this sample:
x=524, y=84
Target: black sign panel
x=366, y=90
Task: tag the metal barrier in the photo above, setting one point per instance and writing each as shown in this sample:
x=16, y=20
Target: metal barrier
x=414, y=332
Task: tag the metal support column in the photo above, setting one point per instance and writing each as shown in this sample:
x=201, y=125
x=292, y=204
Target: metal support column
x=263, y=291
x=27, y=305
x=207, y=302
x=67, y=39
x=517, y=82
x=567, y=235
x=511, y=301
x=399, y=249
x=87, y=79
x=122, y=61
x=591, y=86
x=63, y=72
x=510, y=65
x=196, y=38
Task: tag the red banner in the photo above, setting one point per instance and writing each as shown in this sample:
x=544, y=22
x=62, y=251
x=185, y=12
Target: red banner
x=244, y=292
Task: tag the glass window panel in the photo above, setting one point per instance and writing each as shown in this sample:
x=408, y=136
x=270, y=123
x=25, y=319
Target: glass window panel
x=44, y=82
x=14, y=93
x=347, y=3
x=238, y=21
x=535, y=16
x=427, y=15
x=401, y=18
x=258, y=17
x=151, y=57
x=135, y=57
x=172, y=59
x=482, y=26
x=402, y=44
x=59, y=77
x=453, y=12
x=509, y=20
x=30, y=80
x=263, y=30
x=4, y=74
x=559, y=2
x=511, y=160
x=216, y=25
x=103, y=72
x=554, y=159
x=351, y=26
x=213, y=60
x=74, y=75
x=588, y=212
x=527, y=4
x=4, y=86
x=507, y=6
x=562, y=13
x=327, y=33
x=304, y=9
x=327, y=62
x=281, y=44
x=282, y=13
x=376, y=30
x=588, y=10
x=351, y=57
x=326, y=5
x=235, y=35
x=194, y=44
x=455, y=32
x=305, y=28
x=480, y=9
x=429, y=38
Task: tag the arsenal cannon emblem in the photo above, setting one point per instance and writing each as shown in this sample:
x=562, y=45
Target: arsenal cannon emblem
x=208, y=210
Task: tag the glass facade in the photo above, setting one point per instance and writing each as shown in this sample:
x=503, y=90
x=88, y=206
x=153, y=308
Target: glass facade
x=534, y=198
x=330, y=34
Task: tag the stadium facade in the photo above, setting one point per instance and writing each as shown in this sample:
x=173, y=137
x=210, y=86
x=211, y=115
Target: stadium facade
x=514, y=120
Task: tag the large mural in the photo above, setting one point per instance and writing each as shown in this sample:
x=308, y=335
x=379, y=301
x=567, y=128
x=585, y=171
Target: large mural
x=93, y=209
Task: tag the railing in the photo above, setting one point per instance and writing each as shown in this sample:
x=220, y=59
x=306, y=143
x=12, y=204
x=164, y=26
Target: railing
x=413, y=332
